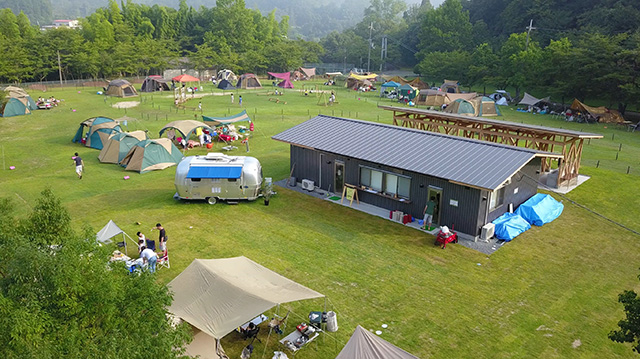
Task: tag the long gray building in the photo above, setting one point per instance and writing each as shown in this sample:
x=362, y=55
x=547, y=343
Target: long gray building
x=472, y=182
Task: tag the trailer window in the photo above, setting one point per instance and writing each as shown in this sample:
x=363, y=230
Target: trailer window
x=232, y=179
x=196, y=179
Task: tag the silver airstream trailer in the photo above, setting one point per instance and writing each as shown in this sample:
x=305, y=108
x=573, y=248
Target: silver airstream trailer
x=217, y=176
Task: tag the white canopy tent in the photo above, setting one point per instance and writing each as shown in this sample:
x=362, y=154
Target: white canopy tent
x=366, y=345
x=109, y=231
x=529, y=100
x=216, y=296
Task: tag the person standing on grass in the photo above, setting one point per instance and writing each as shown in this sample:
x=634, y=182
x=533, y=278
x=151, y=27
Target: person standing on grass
x=162, y=238
x=428, y=213
x=232, y=98
x=79, y=165
x=149, y=256
x=240, y=100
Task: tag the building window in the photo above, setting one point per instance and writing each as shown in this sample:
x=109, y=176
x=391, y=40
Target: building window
x=497, y=198
x=388, y=183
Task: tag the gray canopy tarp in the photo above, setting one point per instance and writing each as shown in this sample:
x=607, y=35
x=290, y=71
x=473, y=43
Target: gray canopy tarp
x=529, y=100
x=366, y=345
x=218, y=295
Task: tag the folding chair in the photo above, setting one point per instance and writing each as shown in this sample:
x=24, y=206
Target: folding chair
x=164, y=260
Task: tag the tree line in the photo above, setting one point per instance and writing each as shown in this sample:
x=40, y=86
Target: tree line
x=591, y=51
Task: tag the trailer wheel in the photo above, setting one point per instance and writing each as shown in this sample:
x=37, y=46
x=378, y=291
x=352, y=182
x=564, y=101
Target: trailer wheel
x=211, y=200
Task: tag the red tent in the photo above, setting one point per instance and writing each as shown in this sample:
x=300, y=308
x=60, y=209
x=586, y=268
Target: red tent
x=185, y=78
x=285, y=77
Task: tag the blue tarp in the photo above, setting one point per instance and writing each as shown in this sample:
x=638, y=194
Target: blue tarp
x=214, y=172
x=540, y=209
x=509, y=226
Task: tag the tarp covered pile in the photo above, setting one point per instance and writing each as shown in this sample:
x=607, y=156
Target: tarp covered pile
x=537, y=210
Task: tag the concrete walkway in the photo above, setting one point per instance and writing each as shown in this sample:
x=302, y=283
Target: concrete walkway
x=480, y=246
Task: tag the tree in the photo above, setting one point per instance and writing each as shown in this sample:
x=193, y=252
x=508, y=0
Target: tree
x=520, y=62
x=629, y=331
x=446, y=28
x=64, y=300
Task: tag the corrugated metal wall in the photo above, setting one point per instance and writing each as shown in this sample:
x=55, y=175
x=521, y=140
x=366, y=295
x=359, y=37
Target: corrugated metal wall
x=464, y=216
x=525, y=181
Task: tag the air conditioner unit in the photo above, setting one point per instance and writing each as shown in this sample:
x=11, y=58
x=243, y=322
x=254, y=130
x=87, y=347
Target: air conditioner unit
x=488, y=230
x=309, y=185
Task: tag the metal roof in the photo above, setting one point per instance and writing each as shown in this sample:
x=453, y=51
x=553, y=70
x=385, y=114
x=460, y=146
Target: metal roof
x=512, y=125
x=470, y=162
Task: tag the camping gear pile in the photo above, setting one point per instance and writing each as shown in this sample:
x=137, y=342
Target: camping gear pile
x=445, y=236
x=537, y=210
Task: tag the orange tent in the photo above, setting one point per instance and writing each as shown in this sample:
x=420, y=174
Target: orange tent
x=185, y=78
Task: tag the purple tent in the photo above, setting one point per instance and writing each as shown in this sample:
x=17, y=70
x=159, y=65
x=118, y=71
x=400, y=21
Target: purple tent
x=285, y=77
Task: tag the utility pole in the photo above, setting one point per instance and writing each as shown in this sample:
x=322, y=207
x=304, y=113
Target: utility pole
x=529, y=28
x=370, y=46
x=59, y=68
x=383, y=53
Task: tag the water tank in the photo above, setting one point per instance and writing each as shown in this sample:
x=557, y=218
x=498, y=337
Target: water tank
x=332, y=321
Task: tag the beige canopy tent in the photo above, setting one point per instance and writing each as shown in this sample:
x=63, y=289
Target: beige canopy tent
x=465, y=96
x=185, y=127
x=602, y=114
x=216, y=296
x=110, y=230
x=366, y=345
x=431, y=98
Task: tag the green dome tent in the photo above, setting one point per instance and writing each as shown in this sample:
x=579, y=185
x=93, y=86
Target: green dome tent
x=478, y=106
x=408, y=91
x=150, y=155
x=99, y=130
x=18, y=102
x=119, y=145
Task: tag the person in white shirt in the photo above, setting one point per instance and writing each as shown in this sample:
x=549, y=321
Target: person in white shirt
x=149, y=256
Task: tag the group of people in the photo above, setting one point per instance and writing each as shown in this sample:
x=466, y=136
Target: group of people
x=147, y=247
x=52, y=101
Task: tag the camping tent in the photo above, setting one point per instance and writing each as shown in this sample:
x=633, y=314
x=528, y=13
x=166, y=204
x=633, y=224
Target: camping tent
x=225, y=85
x=602, y=114
x=285, y=77
x=366, y=345
x=185, y=127
x=529, y=100
x=119, y=144
x=106, y=234
x=540, y=209
x=150, y=155
x=185, y=78
x=248, y=81
x=478, y=106
x=433, y=98
x=398, y=79
x=450, y=86
x=99, y=130
x=18, y=102
x=408, y=91
x=226, y=75
x=121, y=88
x=154, y=83
x=218, y=295
x=388, y=86
x=419, y=84
x=465, y=96
x=220, y=121
x=304, y=73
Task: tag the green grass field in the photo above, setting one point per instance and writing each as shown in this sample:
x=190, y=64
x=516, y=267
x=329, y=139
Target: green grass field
x=533, y=298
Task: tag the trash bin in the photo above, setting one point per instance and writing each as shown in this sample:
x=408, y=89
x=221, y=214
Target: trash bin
x=292, y=181
x=332, y=321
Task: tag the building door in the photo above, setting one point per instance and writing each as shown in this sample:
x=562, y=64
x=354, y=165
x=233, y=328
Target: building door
x=339, y=176
x=435, y=194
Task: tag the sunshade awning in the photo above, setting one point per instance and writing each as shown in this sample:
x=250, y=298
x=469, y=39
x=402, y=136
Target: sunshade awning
x=218, y=295
x=217, y=121
x=215, y=172
x=366, y=345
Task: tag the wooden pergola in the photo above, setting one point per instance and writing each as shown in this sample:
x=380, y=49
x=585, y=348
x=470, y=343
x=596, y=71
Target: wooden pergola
x=548, y=139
